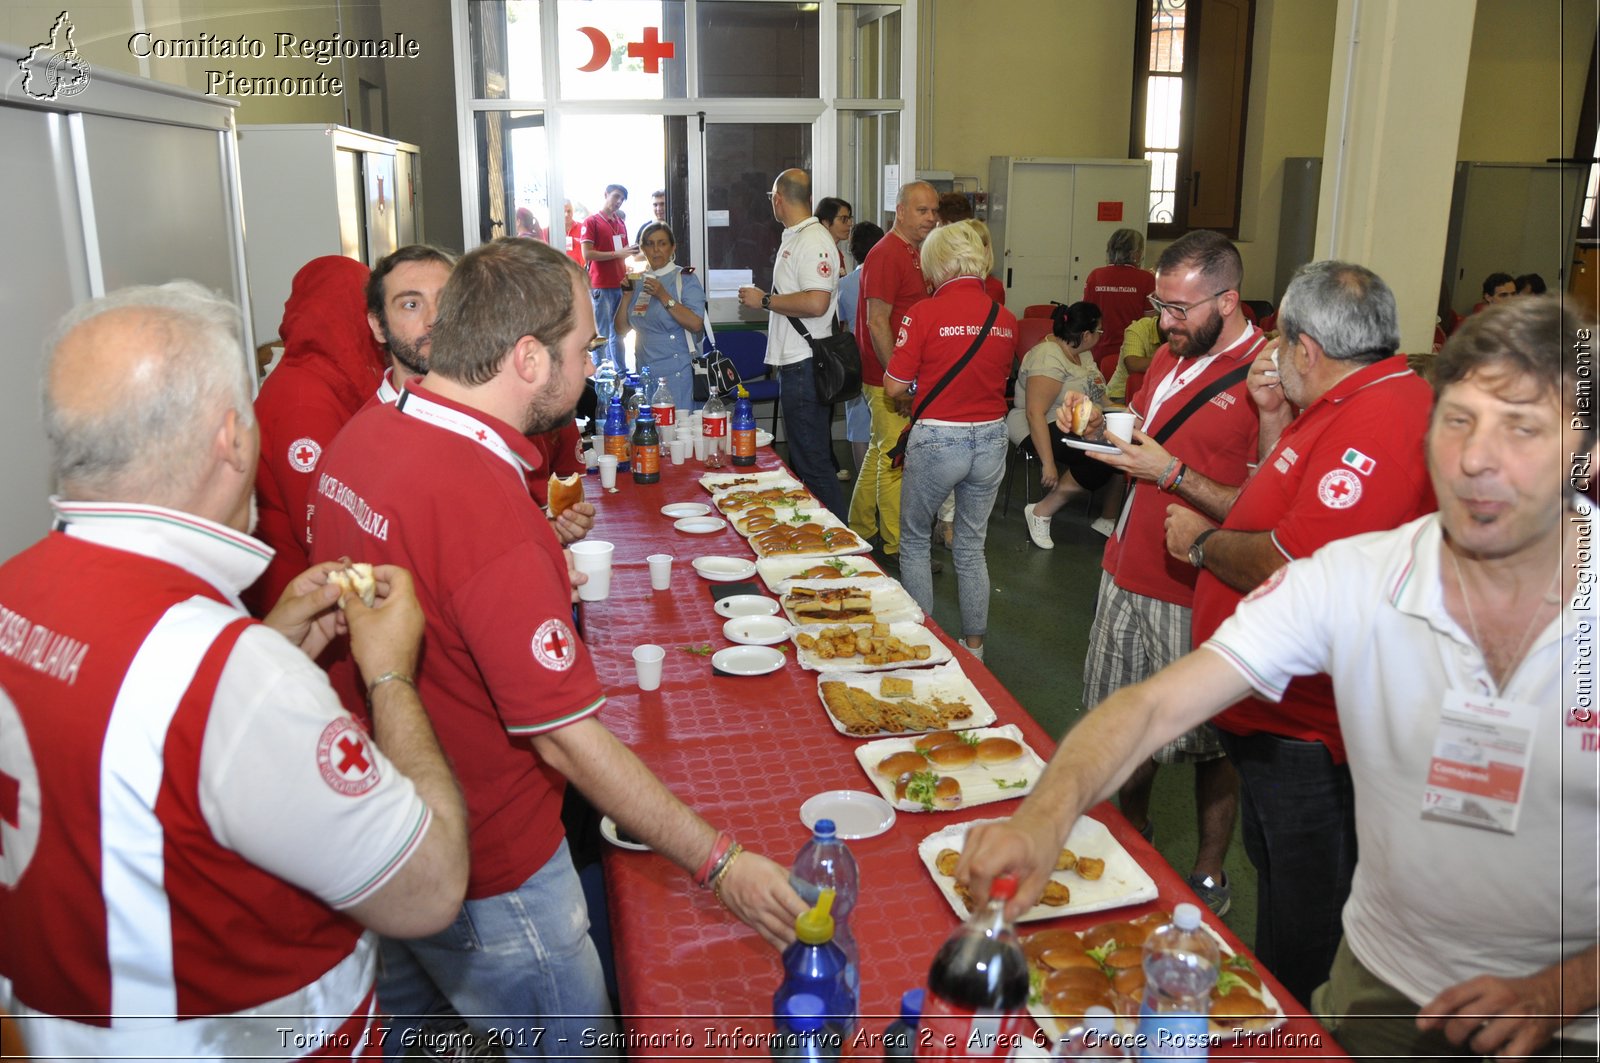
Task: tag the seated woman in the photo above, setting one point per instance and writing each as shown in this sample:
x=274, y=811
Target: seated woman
x=666, y=306
x=1059, y=363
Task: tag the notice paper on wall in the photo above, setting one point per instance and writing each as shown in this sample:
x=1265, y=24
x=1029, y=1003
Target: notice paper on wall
x=891, y=183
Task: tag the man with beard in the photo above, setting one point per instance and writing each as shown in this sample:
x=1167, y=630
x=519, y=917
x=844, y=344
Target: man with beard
x=508, y=683
x=402, y=302
x=1195, y=405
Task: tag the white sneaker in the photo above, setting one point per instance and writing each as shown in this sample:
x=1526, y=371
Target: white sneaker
x=843, y=474
x=1038, y=529
x=1105, y=526
x=976, y=651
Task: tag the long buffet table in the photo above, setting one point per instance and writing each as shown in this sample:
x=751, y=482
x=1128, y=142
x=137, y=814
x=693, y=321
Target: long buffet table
x=745, y=753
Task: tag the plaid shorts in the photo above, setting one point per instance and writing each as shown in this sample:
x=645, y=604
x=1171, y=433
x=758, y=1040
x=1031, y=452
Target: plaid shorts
x=1133, y=638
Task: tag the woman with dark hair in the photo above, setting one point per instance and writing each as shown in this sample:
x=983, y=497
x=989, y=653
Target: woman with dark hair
x=837, y=217
x=1059, y=363
x=1119, y=289
x=666, y=307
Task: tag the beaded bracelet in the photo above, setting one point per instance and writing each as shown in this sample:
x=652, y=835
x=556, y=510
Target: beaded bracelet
x=1183, y=471
x=719, y=853
x=722, y=872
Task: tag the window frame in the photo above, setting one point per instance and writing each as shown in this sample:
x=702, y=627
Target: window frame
x=1585, y=149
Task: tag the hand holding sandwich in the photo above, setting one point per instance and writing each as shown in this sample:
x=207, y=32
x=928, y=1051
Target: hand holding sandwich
x=1079, y=416
x=385, y=637
x=307, y=614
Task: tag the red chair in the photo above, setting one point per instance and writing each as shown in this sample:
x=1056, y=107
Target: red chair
x=1039, y=310
x=1131, y=389
x=1030, y=330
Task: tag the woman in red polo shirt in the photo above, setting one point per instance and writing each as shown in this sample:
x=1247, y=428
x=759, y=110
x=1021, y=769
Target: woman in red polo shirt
x=959, y=440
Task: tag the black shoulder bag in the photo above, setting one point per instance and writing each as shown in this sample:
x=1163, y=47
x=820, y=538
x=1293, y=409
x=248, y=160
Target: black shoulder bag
x=835, y=362
x=897, y=453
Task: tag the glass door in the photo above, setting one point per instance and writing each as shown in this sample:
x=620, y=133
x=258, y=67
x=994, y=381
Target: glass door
x=742, y=159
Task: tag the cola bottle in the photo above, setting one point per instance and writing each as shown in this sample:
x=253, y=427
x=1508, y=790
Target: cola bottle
x=976, y=1006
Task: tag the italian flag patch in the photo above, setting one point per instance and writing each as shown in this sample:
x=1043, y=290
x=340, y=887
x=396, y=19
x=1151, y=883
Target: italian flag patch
x=1359, y=461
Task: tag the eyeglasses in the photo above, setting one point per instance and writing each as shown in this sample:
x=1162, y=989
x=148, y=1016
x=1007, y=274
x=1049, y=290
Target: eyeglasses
x=595, y=345
x=1178, y=311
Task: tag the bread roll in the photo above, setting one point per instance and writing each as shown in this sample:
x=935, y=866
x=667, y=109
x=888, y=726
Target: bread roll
x=564, y=493
x=952, y=757
x=998, y=750
x=947, y=793
x=897, y=764
x=357, y=579
x=935, y=740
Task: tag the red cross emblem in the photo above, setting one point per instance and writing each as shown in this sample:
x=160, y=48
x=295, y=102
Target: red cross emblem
x=482, y=435
x=343, y=760
x=652, y=50
x=553, y=645
x=10, y=805
x=1339, y=489
x=304, y=452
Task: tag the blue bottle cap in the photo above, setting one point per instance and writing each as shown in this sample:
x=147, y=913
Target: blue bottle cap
x=824, y=828
x=911, y=1006
x=804, y=1012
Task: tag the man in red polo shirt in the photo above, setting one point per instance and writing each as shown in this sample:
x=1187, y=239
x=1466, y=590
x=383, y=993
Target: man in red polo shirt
x=1351, y=462
x=606, y=249
x=891, y=281
x=1196, y=415
x=508, y=683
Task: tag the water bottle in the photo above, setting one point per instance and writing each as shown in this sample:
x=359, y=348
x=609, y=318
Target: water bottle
x=714, y=426
x=646, y=449
x=744, y=429
x=632, y=397
x=804, y=1032
x=815, y=965
x=900, y=1036
x=825, y=862
x=605, y=383
x=976, y=1007
x=617, y=433
x=664, y=406
x=1094, y=1038
x=1180, y=969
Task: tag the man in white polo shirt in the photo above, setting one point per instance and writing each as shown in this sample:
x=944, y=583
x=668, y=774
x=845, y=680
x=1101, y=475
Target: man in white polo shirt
x=1453, y=643
x=805, y=279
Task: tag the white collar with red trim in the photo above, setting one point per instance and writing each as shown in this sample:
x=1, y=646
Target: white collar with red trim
x=387, y=392
x=453, y=419
x=229, y=560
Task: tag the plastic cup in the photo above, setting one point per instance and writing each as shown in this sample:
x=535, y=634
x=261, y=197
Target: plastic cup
x=608, y=471
x=660, y=571
x=1120, y=425
x=700, y=448
x=592, y=557
x=680, y=450
x=647, y=661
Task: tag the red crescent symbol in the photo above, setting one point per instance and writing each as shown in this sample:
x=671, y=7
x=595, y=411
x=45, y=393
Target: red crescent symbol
x=602, y=49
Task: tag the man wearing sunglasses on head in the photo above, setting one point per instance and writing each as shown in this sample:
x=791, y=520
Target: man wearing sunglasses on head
x=1194, y=404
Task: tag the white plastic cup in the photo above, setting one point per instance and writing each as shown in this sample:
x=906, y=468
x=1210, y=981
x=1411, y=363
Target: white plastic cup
x=592, y=557
x=1120, y=425
x=647, y=661
x=680, y=450
x=660, y=571
x=700, y=448
x=608, y=471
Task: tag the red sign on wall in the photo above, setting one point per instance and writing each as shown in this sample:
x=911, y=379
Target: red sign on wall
x=1109, y=211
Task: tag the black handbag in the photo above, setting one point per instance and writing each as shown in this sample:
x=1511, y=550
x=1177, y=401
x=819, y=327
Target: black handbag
x=835, y=363
x=897, y=453
x=713, y=369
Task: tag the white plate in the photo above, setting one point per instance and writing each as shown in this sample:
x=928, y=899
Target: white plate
x=1123, y=882
x=719, y=569
x=946, y=681
x=678, y=510
x=778, y=572
x=700, y=525
x=911, y=634
x=1093, y=448
x=981, y=784
x=890, y=602
x=855, y=814
x=746, y=605
x=608, y=831
x=847, y=543
x=747, y=660
x=763, y=438
x=756, y=630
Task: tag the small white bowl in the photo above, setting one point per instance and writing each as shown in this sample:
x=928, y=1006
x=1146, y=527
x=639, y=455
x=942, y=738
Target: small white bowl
x=719, y=569
x=763, y=438
x=757, y=630
x=700, y=525
x=747, y=660
x=746, y=605
x=679, y=510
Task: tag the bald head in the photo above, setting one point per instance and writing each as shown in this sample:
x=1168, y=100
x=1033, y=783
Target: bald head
x=136, y=386
x=916, y=212
x=794, y=186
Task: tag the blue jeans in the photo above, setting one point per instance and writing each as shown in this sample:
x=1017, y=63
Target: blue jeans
x=971, y=461
x=809, y=427
x=1299, y=826
x=606, y=301
x=519, y=967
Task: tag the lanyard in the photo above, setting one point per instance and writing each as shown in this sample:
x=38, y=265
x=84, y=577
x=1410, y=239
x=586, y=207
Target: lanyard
x=413, y=405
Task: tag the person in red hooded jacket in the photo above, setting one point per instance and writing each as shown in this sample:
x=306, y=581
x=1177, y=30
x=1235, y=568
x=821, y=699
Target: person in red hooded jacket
x=331, y=365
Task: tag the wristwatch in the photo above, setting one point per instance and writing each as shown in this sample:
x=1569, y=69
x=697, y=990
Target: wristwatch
x=671, y=303
x=766, y=301
x=1197, y=549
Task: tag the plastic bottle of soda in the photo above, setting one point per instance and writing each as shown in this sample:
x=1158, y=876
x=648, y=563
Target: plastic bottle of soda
x=900, y=1037
x=1093, y=1038
x=825, y=862
x=1180, y=970
x=664, y=407
x=616, y=433
x=646, y=449
x=804, y=1032
x=744, y=429
x=815, y=965
x=976, y=1007
x=714, y=426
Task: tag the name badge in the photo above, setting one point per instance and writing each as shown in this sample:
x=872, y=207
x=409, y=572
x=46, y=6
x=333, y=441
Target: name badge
x=1479, y=766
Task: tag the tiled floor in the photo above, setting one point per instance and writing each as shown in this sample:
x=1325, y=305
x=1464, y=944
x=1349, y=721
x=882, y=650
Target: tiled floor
x=1041, y=606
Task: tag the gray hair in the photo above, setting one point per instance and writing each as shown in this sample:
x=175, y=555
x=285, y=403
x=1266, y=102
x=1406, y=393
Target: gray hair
x=1346, y=308
x=153, y=442
x=955, y=250
x=1125, y=248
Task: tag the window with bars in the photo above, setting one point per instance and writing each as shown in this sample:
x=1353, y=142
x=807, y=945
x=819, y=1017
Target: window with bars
x=1191, y=88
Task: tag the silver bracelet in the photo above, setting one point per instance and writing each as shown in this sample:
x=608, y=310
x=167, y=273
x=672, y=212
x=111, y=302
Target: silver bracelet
x=390, y=677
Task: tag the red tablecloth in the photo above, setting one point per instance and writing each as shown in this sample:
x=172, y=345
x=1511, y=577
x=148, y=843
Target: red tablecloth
x=745, y=752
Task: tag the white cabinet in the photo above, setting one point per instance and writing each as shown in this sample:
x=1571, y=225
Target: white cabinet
x=127, y=182
x=1051, y=218
x=313, y=190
